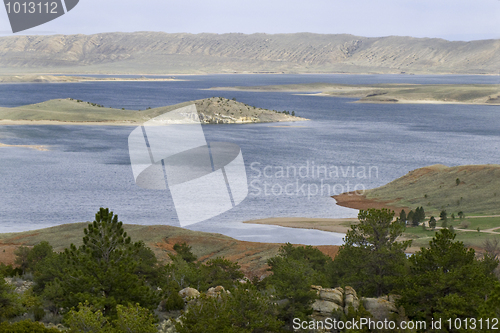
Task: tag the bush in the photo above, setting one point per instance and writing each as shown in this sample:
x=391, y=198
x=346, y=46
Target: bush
x=133, y=318
x=8, y=270
x=25, y=326
x=173, y=302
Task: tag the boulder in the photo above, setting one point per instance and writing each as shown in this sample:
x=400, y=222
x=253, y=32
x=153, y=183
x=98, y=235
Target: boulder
x=332, y=295
x=189, y=293
x=325, y=307
x=215, y=291
x=350, y=299
x=381, y=308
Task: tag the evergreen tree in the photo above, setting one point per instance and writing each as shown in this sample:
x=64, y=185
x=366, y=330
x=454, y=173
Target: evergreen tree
x=410, y=216
x=402, y=216
x=432, y=222
x=184, y=252
x=371, y=260
x=294, y=270
x=446, y=280
x=103, y=270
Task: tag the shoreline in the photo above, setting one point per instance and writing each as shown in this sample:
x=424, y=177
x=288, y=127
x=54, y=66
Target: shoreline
x=482, y=94
x=7, y=122
x=359, y=201
x=336, y=225
x=36, y=147
x=262, y=73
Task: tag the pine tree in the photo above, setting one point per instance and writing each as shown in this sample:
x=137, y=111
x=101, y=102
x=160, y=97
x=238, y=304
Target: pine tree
x=103, y=270
x=371, y=260
x=432, y=222
x=402, y=216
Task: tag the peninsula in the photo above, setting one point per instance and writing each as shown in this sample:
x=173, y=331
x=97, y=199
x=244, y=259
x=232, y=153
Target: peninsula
x=485, y=94
x=468, y=195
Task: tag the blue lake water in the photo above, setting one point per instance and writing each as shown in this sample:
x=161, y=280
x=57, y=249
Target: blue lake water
x=360, y=145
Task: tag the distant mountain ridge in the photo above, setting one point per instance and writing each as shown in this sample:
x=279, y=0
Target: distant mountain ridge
x=158, y=52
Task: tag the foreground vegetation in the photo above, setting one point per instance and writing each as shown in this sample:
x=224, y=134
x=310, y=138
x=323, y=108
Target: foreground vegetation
x=112, y=284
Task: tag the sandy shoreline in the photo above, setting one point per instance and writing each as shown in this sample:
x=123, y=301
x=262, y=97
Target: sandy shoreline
x=37, y=147
x=339, y=225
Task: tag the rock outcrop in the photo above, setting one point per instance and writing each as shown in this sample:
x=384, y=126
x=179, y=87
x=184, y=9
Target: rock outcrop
x=380, y=308
x=331, y=300
x=189, y=293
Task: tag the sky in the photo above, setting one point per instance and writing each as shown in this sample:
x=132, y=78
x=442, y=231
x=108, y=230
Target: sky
x=452, y=20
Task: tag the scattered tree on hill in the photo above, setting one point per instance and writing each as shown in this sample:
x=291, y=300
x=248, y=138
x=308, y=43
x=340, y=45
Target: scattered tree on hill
x=420, y=214
x=443, y=215
x=432, y=222
x=402, y=216
x=184, y=251
x=410, y=216
x=461, y=215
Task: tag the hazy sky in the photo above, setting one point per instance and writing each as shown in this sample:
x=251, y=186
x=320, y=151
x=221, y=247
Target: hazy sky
x=452, y=20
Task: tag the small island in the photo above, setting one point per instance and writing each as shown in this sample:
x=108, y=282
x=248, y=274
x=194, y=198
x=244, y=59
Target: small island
x=482, y=94
x=214, y=110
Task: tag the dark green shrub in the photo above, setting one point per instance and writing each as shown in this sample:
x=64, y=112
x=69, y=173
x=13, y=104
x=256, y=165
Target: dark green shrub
x=25, y=326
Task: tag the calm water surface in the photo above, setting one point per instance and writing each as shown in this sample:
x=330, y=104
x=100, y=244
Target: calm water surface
x=362, y=145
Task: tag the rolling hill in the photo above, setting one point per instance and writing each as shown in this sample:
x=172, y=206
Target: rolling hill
x=251, y=256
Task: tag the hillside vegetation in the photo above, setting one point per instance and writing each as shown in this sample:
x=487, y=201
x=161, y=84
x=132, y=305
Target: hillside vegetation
x=216, y=110
x=394, y=93
x=161, y=239
x=158, y=52
x=472, y=189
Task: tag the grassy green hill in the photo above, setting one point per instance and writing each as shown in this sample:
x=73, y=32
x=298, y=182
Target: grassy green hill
x=473, y=189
